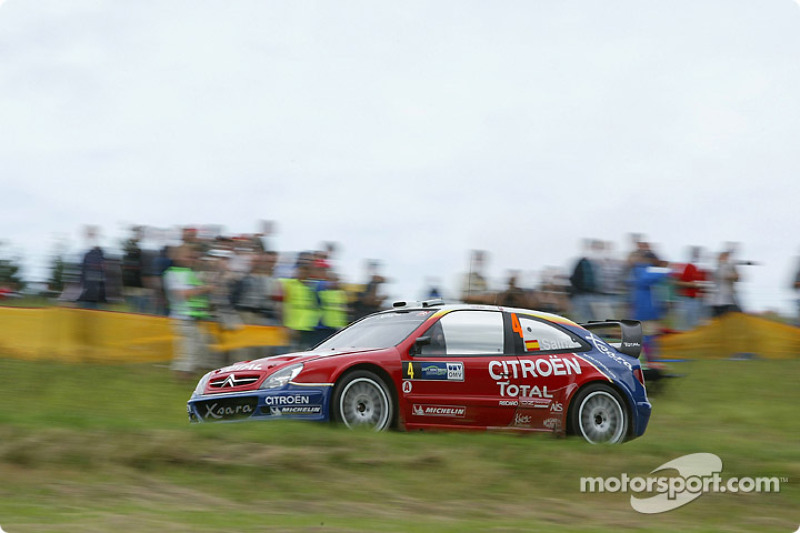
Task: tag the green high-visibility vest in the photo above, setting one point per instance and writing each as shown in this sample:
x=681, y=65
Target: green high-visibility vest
x=301, y=310
x=198, y=305
x=334, y=308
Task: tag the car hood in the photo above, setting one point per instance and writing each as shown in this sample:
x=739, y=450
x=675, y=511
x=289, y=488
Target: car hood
x=276, y=362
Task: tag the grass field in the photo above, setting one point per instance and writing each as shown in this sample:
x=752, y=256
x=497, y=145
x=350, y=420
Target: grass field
x=87, y=448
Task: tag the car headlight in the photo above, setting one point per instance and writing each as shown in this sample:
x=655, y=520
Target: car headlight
x=201, y=385
x=282, y=377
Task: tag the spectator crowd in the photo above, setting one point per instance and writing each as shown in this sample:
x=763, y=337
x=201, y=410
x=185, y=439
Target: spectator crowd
x=233, y=280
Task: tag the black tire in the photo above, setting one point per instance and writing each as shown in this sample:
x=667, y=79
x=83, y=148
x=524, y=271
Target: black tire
x=361, y=399
x=599, y=414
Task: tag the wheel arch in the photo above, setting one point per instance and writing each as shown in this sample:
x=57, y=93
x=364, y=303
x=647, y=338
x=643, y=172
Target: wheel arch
x=626, y=396
x=381, y=373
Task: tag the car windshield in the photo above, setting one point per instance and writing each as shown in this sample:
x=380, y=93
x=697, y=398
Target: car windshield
x=376, y=331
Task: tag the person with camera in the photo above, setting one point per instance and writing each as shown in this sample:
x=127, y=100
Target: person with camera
x=724, y=299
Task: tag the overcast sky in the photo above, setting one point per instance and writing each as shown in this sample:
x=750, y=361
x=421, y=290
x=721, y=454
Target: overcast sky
x=409, y=132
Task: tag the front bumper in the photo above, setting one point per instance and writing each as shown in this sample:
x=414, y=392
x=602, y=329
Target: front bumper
x=290, y=402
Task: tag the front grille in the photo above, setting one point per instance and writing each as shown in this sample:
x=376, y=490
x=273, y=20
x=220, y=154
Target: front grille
x=232, y=381
x=226, y=408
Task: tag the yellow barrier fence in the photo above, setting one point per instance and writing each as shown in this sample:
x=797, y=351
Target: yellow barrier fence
x=734, y=335
x=82, y=335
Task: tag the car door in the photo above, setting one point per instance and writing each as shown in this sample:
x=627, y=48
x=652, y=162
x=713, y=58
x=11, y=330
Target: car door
x=461, y=373
x=548, y=371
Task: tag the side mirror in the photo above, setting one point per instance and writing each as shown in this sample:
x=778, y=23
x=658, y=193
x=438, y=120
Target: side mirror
x=416, y=348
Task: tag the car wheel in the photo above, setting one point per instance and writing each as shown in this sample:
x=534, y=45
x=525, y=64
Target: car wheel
x=361, y=399
x=598, y=414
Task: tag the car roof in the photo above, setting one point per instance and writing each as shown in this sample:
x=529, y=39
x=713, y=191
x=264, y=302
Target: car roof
x=440, y=305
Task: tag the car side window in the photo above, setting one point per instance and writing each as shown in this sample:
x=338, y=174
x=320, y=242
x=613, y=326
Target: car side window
x=466, y=333
x=437, y=344
x=539, y=336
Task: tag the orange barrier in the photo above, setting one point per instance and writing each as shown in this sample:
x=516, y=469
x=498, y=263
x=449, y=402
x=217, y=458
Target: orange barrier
x=82, y=335
x=733, y=335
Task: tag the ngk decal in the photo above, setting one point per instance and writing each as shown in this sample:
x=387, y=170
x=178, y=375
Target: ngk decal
x=454, y=411
x=502, y=371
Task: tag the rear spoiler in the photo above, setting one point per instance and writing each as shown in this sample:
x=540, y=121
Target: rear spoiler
x=624, y=335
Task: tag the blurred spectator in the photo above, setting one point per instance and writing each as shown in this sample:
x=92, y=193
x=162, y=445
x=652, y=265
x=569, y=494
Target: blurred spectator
x=513, y=295
x=370, y=299
x=584, y=282
x=432, y=290
x=266, y=229
x=189, y=303
x=640, y=247
x=648, y=308
x=324, y=257
x=215, y=272
x=301, y=307
x=724, y=299
x=153, y=292
x=553, y=295
x=259, y=292
x=690, y=283
x=333, y=302
x=475, y=287
x=161, y=263
x=133, y=270
x=190, y=236
x=93, y=275
x=609, y=301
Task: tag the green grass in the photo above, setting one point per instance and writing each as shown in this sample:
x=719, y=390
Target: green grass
x=87, y=448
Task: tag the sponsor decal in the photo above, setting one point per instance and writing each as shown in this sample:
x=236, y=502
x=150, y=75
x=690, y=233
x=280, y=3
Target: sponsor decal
x=552, y=423
x=556, y=407
x=433, y=371
x=521, y=420
x=508, y=403
x=294, y=399
x=535, y=391
x=536, y=403
x=296, y=410
x=242, y=366
x=453, y=411
x=606, y=350
x=225, y=410
x=554, y=365
x=406, y=387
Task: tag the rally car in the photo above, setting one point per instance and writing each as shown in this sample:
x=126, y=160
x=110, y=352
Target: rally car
x=430, y=365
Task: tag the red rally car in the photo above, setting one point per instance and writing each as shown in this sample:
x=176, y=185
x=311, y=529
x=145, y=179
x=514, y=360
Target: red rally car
x=429, y=365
